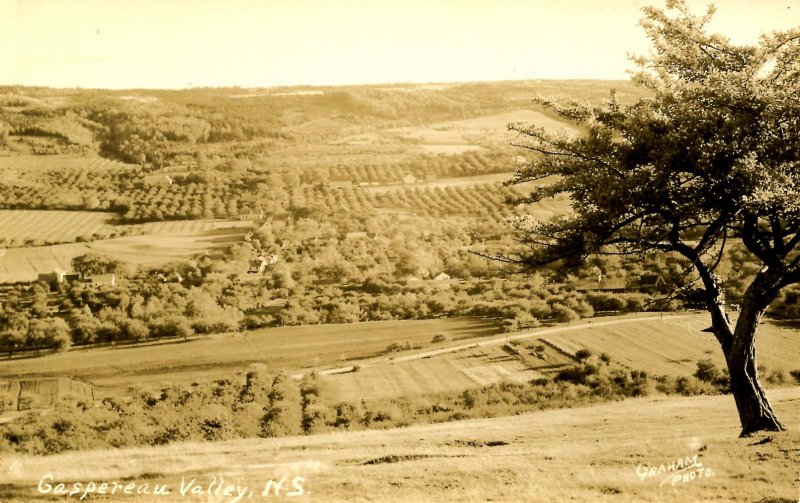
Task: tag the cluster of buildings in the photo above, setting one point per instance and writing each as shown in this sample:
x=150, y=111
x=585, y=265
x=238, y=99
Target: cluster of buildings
x=59, y=276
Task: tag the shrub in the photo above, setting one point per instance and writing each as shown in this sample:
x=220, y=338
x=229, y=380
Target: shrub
x=577, y=374
x=707, y=371
x=171, y=326
x=776, y=378
x=347, y=415
x=439, y=337
x=582, y=355
x=688, y=386
x=135, y=329
x=565, y=314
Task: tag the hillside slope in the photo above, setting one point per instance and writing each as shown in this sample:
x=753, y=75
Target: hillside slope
x=583, y=454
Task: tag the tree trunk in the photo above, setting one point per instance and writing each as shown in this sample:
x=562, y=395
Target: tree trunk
x=755, y=412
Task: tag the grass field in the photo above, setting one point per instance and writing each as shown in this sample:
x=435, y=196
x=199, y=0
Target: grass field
x=586, y=454
x=25, y=264
x=469, y=132
x=162, y=242
x=25, y=168
x=53, y=226
x=285, y=348
x=674, y=345
x=448, y=372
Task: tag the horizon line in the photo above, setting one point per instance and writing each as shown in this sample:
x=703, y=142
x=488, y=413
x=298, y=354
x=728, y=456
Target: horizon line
x=291, y=86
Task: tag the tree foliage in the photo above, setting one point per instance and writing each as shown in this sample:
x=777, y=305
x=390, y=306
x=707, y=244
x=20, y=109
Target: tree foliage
x=710, y=157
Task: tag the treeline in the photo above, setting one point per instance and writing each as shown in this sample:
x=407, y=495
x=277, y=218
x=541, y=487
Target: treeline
x=318, y=276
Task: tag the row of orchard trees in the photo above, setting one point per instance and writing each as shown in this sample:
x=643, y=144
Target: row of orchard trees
x=470, y=163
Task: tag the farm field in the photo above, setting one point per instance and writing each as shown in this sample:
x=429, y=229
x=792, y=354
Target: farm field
x=451, y=371
x=581, y=454
x=672, y=346
x=468, y=133
x=25, y=168
x=475, y=355
x=25, y=264
x=53, y=226
x=284, y=348
x=191, y=226
x=162, y=242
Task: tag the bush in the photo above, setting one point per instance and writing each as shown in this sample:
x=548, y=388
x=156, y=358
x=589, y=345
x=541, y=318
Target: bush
x=522, y=320
x=439, y=337
x=776, y=378
x=565, y=314
x=582, y=355
x=576, y=374
x=171, y=326
x=135, y=329
x=688, y=386
x=707, y=372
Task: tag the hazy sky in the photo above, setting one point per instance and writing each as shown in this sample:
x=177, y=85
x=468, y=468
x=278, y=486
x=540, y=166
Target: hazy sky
x=189, y=43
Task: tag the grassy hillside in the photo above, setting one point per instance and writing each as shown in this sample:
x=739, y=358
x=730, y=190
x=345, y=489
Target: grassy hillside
x=583, y=454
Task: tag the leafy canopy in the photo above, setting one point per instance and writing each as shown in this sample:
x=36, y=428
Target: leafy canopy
x=711, y=154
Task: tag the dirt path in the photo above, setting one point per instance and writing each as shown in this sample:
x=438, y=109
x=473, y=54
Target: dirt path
x=495, y=340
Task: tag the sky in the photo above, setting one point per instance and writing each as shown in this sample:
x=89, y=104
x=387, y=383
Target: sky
x=177, y=44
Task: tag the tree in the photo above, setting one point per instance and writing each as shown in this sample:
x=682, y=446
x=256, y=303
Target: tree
x=49, y=332
x=13, y=331
x=710, y=156
x=90, y=264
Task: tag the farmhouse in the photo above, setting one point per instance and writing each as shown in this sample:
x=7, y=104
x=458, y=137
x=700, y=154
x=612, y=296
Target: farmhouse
x=56, y=277
x=101, y=280
x=652, y=283
x=645, y=283
x=257, y=266
x=409, y=179
x=260, y=264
